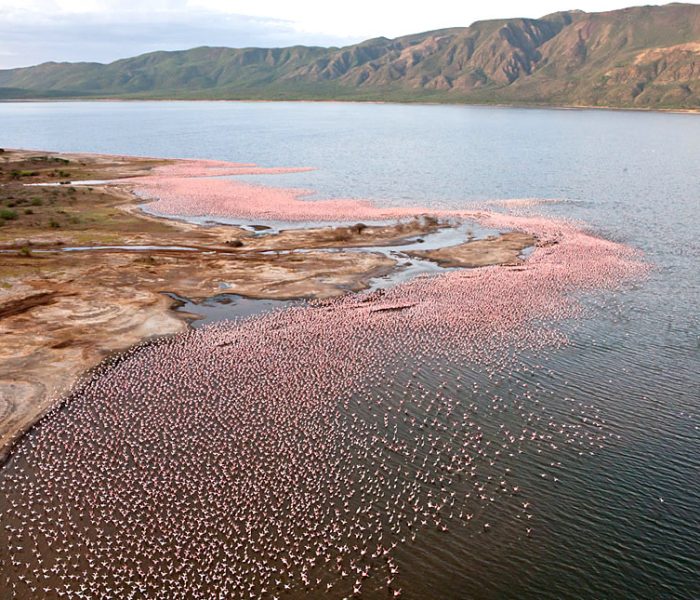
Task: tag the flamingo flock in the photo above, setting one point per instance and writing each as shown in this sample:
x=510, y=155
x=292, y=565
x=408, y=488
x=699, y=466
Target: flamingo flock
x=191, y=188
x=294, y=452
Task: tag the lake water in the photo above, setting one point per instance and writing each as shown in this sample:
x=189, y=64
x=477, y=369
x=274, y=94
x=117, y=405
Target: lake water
x=623, y=523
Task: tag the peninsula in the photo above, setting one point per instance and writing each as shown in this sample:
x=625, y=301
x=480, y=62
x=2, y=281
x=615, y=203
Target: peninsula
x=86, y=273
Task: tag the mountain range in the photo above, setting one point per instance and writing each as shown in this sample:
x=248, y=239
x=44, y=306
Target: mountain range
x=640, y=57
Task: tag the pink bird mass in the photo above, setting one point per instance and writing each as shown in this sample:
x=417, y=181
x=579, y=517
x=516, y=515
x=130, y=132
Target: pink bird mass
x=300, y=450
x=190, y=189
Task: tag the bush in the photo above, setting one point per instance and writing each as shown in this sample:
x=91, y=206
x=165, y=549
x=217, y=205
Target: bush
x=25, y=251
x=15, y=174
x=8, y=214
x=358, y=228
x=36, y=202
x=28, y=211
x=235, y=243
x=55, y=224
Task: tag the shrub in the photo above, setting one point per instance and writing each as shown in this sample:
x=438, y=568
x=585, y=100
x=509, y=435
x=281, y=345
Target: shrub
x=25, y=251
x=8, y=214
x=51, y=159
x=28, y=211
x=36, y=202
x=235, y=243
x=358, y=228
x=54, y=223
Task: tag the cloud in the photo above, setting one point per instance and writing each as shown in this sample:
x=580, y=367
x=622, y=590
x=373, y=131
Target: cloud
x=44, y=30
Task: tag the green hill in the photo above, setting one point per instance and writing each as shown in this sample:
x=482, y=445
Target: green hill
x=645, y=57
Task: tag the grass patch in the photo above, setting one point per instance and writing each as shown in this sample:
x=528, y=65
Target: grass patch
x=49, y=159
x=18, y=174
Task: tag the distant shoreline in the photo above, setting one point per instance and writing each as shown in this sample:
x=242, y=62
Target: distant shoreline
x=691, y=111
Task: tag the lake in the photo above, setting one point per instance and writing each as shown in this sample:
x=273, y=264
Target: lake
x=621, y=523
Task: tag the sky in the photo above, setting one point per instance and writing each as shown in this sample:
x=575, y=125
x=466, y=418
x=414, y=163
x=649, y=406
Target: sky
x=36, y=31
